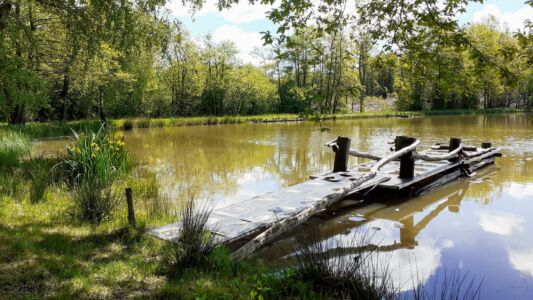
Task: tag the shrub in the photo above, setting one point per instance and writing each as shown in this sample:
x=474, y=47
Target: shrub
x=93, y=163
x=195, y=242
x=12, y=146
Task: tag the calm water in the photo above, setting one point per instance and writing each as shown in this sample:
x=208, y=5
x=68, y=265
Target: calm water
x=483, y=225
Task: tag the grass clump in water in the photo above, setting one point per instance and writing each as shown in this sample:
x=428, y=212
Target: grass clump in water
x=332, y=273
x=93, y=163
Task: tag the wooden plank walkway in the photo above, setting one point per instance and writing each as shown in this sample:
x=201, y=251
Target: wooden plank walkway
x=245, y=218
x=258, y=216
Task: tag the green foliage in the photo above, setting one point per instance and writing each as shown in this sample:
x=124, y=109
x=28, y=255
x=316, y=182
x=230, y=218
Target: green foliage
x=93, y=163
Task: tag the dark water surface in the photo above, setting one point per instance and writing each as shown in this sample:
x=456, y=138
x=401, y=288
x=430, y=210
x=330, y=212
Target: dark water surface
x=482, y=225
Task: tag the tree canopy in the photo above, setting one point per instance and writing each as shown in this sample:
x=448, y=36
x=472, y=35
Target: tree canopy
x=66, y=59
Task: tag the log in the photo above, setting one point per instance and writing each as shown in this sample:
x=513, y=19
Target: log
x=286, y=224
x=439, y=146
x=363, y=154
x=446, y=156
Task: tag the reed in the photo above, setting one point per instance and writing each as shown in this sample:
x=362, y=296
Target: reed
x=92, y=164
x=330, y=272
x=41, y=174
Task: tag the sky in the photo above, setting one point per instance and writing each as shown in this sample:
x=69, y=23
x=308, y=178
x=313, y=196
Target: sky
x=243, y=23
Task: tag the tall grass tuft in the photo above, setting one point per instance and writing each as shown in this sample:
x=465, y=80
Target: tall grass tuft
x=195, y=242
x=13, y=145
x=93, y=163
x=446, y=285
x=333, y=273
x=42, y=174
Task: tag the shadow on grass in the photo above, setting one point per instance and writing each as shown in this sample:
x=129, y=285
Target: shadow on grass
x=38, y=260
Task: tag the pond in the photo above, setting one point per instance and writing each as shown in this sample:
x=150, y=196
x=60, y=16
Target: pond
x=482, y=225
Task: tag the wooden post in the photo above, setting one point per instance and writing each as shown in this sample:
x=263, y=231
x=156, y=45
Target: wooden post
x=131, y=210
x=454, y=144
x=341, y=154
x=486, y=145
x=407, y=163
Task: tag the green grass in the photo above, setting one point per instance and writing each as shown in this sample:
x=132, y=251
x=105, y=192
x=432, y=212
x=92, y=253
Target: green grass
x=46, y=252
x=13, y=146
x=55, y=129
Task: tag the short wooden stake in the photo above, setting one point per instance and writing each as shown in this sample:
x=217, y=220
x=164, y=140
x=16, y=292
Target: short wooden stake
x=131, y=210
x=407, y=163
x=486, y=145
x=454, y=144
x=341, y=154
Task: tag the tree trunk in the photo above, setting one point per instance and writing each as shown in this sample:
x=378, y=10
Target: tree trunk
x=101, y=110
x=17, y=116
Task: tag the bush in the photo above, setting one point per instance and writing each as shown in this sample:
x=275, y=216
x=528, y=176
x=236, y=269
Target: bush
x=195, y=242
x=93, y=163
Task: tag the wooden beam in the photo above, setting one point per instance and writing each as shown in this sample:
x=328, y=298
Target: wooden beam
x=341, y=148
x=131, y=210
x=407, y=163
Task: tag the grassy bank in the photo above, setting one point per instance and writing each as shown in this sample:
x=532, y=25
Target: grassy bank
x=55, y=129
x=59, y=239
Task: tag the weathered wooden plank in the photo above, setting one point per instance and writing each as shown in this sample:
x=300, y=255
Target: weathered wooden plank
x=400, y=183
x=243, y=218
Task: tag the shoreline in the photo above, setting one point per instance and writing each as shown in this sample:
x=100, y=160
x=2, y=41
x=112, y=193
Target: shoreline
x=60, y=129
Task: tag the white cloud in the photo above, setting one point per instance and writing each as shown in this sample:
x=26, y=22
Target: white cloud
x=500, y=223
x=514, y=20
x=520, y=190
x=245, y=41
x=242, y=12
x=522, y=260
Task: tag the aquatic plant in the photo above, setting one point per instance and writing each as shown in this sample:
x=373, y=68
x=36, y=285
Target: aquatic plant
x=331, y=272
x=92, y=164
x=446, y=285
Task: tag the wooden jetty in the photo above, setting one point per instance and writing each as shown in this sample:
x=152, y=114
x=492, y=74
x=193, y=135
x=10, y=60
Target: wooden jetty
x=262, y=219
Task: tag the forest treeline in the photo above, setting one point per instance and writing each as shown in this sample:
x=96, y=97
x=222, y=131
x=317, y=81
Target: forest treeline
x=64, y=60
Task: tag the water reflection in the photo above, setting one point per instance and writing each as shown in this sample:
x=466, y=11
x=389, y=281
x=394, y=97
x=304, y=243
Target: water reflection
x=483, y=225
x=500, y=223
